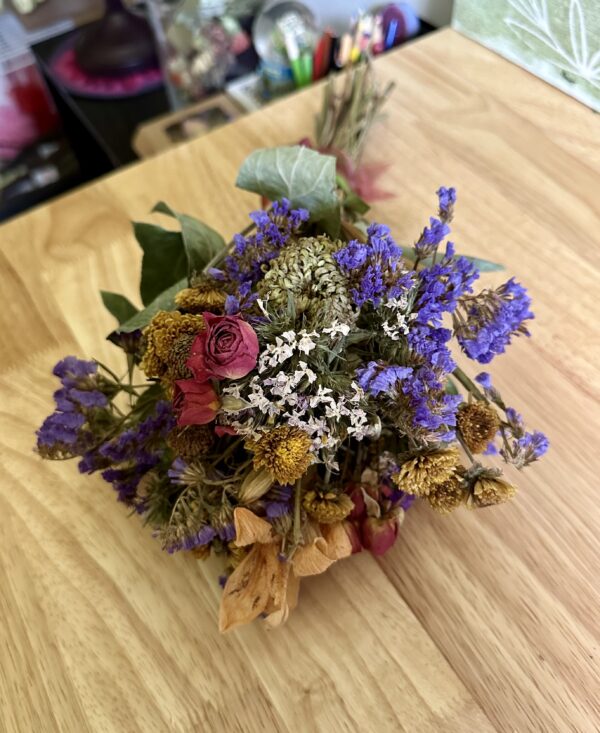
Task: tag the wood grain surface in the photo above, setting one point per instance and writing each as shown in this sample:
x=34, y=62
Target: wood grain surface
x=477, y=622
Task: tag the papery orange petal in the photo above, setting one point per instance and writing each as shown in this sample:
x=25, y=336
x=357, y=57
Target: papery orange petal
x=286, y=599
x=312, y=559
x=249, y=528
x=249, y=588
x=338, y=542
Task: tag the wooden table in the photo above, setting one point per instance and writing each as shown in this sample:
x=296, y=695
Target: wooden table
x=481, y=621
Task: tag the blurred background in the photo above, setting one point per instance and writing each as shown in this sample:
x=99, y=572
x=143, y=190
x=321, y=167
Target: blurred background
x=87, y=86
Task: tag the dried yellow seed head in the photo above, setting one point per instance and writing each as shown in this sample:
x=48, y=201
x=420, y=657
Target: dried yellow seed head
x=201, y=298
x=284, y=452
x=327, y=507
x=161, y=335
x=478, y=423
x=448, y=495
x=419, y=474
x=191, y=440
x=488, y=491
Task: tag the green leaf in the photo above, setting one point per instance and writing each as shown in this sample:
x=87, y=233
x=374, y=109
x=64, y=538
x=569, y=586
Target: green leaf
x=201, y=242
x=148, y=399
x=332, y=223
x=485, y=265
x=118, y=306
x=451, y=387
x=353, y=202
x=163, y=302
x=409, y=254
x=300, y=174
x=164, y=261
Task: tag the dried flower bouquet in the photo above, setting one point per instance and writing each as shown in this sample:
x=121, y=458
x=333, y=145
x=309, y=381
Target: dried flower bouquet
x=299, y=391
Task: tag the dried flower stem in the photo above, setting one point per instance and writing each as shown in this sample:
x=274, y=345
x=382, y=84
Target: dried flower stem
x=297, y=529
x=468, y=383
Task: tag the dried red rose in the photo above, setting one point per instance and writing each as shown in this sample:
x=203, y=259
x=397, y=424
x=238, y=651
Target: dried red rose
x=226, y=349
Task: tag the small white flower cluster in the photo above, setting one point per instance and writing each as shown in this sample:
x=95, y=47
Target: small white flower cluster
x=290, y=397
x=285, y=347
x=398, y=323
x=290, y=342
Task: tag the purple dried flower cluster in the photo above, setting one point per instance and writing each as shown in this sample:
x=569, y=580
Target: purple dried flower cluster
x=518, y=446
x=128, y=457
x=486, y=322
x=68, y=431
x=374, y=267
x=273, y=230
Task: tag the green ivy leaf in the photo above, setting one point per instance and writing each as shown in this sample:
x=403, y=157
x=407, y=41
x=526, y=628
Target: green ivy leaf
x=300, y=174
x=201, y=242
x=332, y=223
x=165, y=301
x=482, y=265
x=164, y=261
x=118, y=306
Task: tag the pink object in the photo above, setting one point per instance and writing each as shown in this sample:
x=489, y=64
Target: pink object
x=226, y=349
x=17, y=131
x=195, y=403
x=378, y=535
x=64, y=66
x=26, y=110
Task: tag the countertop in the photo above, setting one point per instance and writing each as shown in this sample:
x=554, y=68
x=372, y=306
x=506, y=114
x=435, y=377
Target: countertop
x=479, y=621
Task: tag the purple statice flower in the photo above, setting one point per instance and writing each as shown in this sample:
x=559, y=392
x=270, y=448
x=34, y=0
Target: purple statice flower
x=439, y=288
x=535, y=443
x=485, y=380
x=352, y=257
x=73, y=368
x=69, y=430
x=432, y=410
x=274, y=509
x=60, y=429
x=519, y=446
x=203, y=536
x=442, y=285
x=88, y=398
x=376, y=378
x=406, y=501
x=242, y=301
x=277, y=501
x=373, y=267
x=176, y=471
x=488, y=321
x=447, y=199
x=227, y=532
x=515, y=419
x=431, y=237
x=273, y=230
x=127, y=457
x=525, y=448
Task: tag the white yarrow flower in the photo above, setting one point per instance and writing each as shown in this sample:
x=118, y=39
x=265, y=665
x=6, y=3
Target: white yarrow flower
x=337, y=327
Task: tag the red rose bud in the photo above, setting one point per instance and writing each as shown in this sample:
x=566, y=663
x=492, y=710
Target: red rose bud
x=378, y=535
x=222, y=430
x=226, y=349
x=354, y=536
x=356, y=494
x=195, y=403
